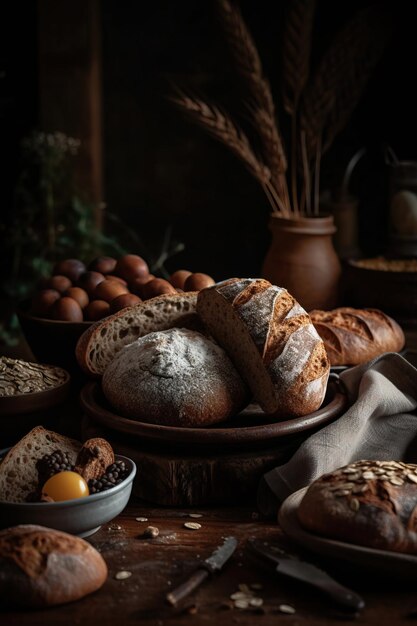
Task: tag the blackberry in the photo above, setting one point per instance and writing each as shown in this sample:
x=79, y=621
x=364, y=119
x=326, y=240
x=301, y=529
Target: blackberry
x=51, y=464
x=114, y=475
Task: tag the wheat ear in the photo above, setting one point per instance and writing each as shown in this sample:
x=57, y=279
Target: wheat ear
x=222, y=127
x=249, y=67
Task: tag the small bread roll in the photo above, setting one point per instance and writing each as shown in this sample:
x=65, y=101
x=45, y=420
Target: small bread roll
x=176, y=377
x=42, y=567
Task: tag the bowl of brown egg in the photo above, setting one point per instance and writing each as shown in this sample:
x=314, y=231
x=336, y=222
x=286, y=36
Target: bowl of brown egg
x=76, y=295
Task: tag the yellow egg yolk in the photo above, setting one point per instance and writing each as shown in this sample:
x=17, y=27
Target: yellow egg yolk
x=65, y=486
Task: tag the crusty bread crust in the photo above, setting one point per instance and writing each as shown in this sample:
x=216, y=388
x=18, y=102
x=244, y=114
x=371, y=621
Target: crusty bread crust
x=352, y=336
x=370, y=503
x=272, y=342
x=42, y=567
x=98, y=345
x=18, y=473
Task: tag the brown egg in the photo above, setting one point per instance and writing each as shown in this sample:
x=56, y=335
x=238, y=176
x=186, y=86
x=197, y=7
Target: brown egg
x=124, y=300
x=67, y=309
x=96, y=309
x=156, y=287
x=42, y=302
x=103, y=264
x=58, y=282
x=108, y=290
x=89, y=281
x=131, y=266
x=136, y=285
x=178, y=278
x=198, y=281
x=78, y=294
x=71, y=268
x=118, y=279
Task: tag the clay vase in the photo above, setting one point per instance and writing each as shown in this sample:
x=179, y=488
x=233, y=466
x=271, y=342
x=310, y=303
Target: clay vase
x=302, y=258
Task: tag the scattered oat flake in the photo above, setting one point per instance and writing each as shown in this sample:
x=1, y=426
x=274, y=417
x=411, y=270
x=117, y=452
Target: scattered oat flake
x=286, y=608
x=192, y=525
x=122, y=575
x=239, y=595
x=241, y=604
x=141, y=519
x=243, y=587
x=195, y=515
x=256, y=602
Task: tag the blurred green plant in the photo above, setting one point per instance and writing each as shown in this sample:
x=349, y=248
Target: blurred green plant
x=53, y=220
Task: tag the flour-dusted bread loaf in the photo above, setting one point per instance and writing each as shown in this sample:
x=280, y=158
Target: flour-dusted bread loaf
x=18, y=473
x=370, y=503
x=41, y=567
x=272, y=342
x=353, y=336
x=100, y=342
x=176, y=377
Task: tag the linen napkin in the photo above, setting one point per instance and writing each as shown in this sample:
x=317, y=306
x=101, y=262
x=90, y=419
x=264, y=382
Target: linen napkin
x=381, y=423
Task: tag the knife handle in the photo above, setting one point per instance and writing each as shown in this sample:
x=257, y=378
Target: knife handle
x=342, y=595
x=180, y=592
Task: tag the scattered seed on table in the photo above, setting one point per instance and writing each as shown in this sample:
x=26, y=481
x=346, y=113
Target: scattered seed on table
x=286, y=608
x=151, y=532
x=256, y=602
x=239, y=595
x=122, y=575
x=195, y=515
x=141, y=519
x=241, y=604
x=243, y=587
x=192, y=525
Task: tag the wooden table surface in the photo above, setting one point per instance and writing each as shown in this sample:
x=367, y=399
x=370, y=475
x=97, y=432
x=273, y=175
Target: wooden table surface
x=159, y=564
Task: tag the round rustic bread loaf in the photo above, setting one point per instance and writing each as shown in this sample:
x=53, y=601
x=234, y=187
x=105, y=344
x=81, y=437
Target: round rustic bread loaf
x=41, y=567
x=272, y=342
x=370, y=503
x=176, y=377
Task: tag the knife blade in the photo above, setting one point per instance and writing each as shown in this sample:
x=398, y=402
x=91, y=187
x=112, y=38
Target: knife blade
x=212, y=564
x=294, y=567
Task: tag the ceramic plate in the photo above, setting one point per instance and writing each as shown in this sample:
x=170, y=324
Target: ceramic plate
x=250, y=426
x=382, y=562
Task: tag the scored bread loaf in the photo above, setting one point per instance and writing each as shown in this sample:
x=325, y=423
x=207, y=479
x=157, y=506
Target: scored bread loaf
x=352, y=336
x=42, y=567
x=102, y=341
x=18, y=473
x=370, y=503
x=272, y=342
x=175, y=377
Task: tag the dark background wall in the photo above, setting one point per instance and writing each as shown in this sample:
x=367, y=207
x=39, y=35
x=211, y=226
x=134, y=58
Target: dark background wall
x=158, y=169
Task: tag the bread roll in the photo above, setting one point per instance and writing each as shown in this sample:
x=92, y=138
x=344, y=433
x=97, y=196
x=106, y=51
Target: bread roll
x=272, y=342
x=353, y=336
x=176, y=377
x=42, y=567
x=18, y=473
x=100, y=343
x=370, y=503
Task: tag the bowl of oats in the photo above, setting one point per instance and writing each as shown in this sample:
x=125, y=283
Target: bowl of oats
x=27, y=387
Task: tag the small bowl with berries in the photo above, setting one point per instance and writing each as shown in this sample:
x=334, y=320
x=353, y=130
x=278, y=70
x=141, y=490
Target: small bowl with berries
x=76, y=295
x=55, y=481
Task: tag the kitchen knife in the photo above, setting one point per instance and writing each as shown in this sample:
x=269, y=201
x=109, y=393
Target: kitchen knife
x=294, y=567
x=211, y=565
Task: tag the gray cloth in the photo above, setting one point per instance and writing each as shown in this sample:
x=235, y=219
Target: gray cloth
x=381, y=423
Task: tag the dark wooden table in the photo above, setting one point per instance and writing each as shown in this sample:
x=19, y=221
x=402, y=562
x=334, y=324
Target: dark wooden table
x=159, y=564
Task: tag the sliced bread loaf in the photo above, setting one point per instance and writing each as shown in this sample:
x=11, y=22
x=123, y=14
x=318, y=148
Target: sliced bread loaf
x=272, y=342
x=101, y=342
x=18, y=473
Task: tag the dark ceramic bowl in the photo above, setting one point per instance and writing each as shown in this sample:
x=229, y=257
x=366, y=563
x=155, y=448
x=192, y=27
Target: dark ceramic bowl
x=52, y=341
x=82, y=516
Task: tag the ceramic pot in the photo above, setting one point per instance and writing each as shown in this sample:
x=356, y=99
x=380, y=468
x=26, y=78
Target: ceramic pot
x=302, y=258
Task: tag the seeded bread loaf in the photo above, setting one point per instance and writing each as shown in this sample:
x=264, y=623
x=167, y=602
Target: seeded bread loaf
x=41, y=567
x=370, y=503
x=272, y=342
x=101, y=341
x=176, y=377
x=353, y=336
x=18, y=473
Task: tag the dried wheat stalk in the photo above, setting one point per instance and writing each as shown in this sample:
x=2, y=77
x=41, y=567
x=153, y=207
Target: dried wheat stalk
x=249, y=66
x=341, y=77
x=223, y=128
